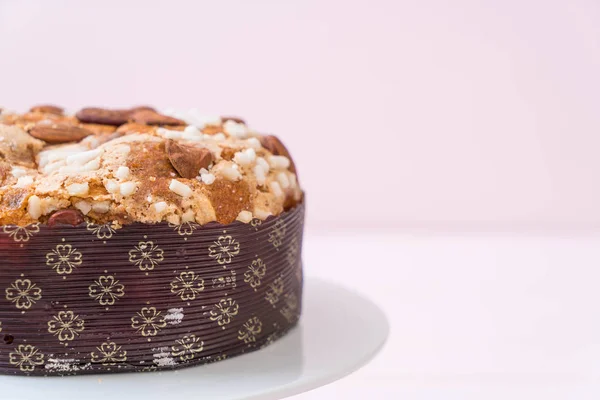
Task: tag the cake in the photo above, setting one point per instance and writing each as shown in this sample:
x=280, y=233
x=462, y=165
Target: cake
x=139, y=240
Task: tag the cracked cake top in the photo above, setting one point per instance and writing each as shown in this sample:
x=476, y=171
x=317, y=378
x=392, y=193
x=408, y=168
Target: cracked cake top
x=139, y=165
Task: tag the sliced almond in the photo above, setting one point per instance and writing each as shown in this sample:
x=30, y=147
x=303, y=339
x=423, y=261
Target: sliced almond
x=277, y=148
x=59, y=133
x=150, y=117
x=188, y=160
x=65, y=217
x=48, y=108
x=103, y=116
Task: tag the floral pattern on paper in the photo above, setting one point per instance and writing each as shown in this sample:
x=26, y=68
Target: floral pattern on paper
x=148, y=321
x=290, y=310
x=109, y=353
x=186, y=228
x=23, y=293
x=293, y=251
x=275, y=291
x=26, y=357
x=187, y=347
x=146, y=255
x=104, y=285
x=102, y=232
x=213, y=359
x=250, y=330
x=224, y=249
x=256, y=271
x=224, y=281
x=21, y=233
x=277, y=233
x=66, y=325
x=224, y=311
x=255, y=223
x=63, y=259
x=106, y=290
x=187, y=285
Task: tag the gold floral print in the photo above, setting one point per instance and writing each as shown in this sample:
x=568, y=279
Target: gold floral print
x=101, y=231
x=23, y=293
x=146, y=256
x=256, y=223
x=224, y=281
x=185, y=229
x=187, y=347
x=26, y=357
x=290, y=309
x=292, y=252
x=187, y=285
x=275, y=291
x=277, y=233
x=250, y=330
x=148, y=321
x=224, y=311
x=224, y=249
x=217, y=358
x=256, y=271
x=63, y=259
x=21, y=233
x=66, y=325
x=105, y=231
x=109, y=353
x=106, y=290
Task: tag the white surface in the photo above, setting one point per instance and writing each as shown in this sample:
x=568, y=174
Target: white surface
x=481, y=316
x=327, y=345
x=490, y=105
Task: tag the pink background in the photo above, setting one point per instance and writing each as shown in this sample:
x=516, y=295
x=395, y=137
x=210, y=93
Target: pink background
x=452, y=114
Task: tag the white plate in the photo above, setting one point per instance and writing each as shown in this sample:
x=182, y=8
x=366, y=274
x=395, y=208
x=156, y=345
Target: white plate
x=339, y=332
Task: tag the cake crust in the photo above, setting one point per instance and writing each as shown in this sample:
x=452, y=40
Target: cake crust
x=125, y=166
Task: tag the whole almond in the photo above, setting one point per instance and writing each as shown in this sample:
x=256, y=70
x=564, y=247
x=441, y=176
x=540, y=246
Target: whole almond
x=59, y=133
x=188, y=160
x=103, y=116
x=277, y=148
x=99, y=129
x=139, y=108
x=150, y=117
x=65, y=217
x=48, y=109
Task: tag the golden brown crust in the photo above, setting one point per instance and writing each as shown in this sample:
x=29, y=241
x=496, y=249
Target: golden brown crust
x=12, y=207
x=229, y=199
x=121, y=171
x=148, y=162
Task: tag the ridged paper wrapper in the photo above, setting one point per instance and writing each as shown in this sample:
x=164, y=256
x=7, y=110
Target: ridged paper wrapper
x=93, y=299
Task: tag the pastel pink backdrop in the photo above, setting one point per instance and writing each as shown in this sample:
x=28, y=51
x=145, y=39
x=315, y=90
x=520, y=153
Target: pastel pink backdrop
x=399, y=113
